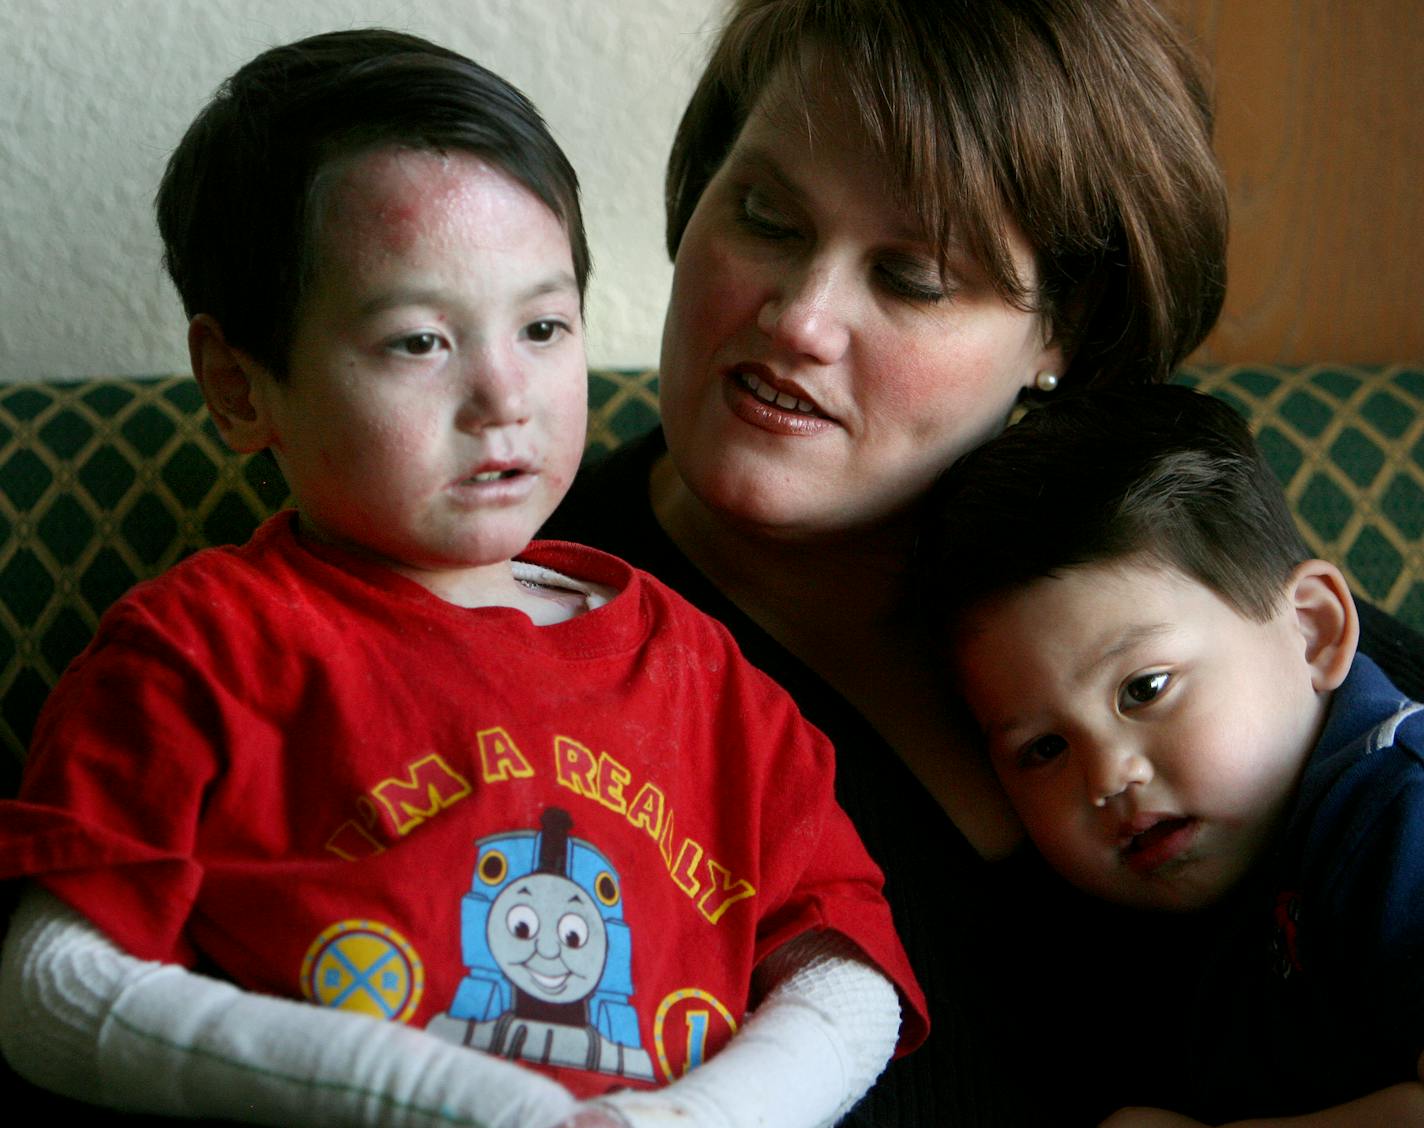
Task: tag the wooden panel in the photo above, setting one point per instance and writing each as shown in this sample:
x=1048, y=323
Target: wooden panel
x=1320, y=124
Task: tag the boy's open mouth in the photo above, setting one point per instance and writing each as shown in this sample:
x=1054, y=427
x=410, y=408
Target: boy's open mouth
x=1159, y=843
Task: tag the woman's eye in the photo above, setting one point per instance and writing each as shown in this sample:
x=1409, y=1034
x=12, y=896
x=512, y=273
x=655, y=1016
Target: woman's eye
x=1142, y=690
x=762, y=218
x=917, y=283
x=543, y=331
x=1041, y=750
x=418, y=344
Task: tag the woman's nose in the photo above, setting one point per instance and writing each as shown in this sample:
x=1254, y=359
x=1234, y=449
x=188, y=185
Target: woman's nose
x=495, y=392
x=808, y=314
x=1110, y=771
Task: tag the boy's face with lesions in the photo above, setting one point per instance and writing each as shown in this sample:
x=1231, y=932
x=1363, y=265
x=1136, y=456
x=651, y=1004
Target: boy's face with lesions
x=435, y=407
x=1149, y=735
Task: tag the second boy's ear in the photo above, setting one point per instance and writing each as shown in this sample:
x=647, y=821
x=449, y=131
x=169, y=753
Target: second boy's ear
x=1328, y=620
x=229, y=379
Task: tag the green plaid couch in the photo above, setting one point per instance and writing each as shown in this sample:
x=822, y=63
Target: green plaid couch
x=107, y=481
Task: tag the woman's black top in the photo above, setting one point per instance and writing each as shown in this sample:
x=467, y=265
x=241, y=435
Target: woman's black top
x=1038, y=1016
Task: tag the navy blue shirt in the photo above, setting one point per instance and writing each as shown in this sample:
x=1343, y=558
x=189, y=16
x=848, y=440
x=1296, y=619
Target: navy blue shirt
x=1316, y=994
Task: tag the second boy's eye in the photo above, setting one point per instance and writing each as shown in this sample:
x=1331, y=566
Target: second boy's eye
x=1142, y=690
x=1042, y=750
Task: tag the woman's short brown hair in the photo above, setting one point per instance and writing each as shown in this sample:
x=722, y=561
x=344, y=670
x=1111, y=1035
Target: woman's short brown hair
x=1084, y=123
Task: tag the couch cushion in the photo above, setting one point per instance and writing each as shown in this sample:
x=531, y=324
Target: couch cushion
x=108, y=481
x=1348, y=444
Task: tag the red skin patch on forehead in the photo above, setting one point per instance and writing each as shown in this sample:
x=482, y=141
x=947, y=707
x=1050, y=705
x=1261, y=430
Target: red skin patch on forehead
x=397, y=225
x=384, y=207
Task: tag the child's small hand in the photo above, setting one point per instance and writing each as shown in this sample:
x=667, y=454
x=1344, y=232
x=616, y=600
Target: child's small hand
x=593, y=1116
x=1149, y=1118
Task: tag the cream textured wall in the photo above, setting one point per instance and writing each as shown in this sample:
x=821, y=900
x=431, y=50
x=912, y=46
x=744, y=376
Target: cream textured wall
x=93, y=96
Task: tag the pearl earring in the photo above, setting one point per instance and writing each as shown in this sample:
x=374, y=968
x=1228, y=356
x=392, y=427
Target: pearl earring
x=1046, y=381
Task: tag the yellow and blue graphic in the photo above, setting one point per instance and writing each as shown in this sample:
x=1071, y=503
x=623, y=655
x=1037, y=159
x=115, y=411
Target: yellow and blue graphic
x=365, y=966
x=689, y=1027
x=548, y=955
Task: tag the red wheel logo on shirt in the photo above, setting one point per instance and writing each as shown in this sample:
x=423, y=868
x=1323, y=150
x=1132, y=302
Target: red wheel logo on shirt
x=690, y=1026
x=364, y=966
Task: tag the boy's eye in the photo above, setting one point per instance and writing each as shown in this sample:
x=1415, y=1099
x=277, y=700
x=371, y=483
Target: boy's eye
x=1142, y=690
x=418, y=344
x=1041, y=750
x=544, y=330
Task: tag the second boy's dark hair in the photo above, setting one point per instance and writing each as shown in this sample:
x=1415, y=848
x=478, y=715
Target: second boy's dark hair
x=1162, y=472
x=241, y=199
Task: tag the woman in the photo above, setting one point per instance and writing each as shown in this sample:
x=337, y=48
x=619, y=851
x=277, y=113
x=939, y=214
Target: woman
x=891, y=221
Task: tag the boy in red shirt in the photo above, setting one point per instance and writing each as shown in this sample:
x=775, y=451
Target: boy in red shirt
x=391, y=757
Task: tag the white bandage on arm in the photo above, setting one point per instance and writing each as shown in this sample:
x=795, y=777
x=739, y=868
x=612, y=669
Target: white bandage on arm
x=81, y=1017
x=817, y=1042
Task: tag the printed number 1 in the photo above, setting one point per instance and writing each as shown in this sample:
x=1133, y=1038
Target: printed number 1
x=697, y=1027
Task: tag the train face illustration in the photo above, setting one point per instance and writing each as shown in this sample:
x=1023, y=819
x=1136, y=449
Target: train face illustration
x=548, y=955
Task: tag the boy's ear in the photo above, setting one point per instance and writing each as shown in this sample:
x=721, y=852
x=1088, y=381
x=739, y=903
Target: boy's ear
x=233, y=384
x=1329, y=623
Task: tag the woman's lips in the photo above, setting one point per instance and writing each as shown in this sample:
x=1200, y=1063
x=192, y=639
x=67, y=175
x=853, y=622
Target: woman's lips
x=754, y=398
x=767, y=394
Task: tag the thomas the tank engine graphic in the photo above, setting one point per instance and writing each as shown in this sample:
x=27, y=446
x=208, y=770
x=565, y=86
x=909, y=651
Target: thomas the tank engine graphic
x=548, y=955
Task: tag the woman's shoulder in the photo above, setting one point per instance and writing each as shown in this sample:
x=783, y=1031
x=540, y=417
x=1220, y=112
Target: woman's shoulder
x=608, y=503
x=609, y=508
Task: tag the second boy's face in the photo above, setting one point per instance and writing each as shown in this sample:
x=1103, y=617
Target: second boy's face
x=434, y=411
x=1149, y=736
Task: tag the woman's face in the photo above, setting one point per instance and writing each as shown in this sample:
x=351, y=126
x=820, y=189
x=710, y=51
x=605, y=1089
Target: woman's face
x=817, y=370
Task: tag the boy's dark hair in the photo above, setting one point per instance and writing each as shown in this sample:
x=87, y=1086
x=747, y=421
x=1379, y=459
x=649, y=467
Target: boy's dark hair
x=1084, y=123
x=241, y=199
x=1162, y=472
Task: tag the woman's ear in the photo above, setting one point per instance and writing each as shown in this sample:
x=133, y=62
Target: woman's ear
x=1049, y=365
x=232, y=384
x=1329, y=623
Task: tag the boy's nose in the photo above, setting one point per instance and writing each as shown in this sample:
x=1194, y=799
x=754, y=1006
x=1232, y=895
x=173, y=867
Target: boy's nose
x=807, y=314
x=496, y=393
x=1111, y=771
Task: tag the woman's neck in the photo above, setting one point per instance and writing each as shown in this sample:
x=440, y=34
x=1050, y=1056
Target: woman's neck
x=786, y=585
x=837, y=605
